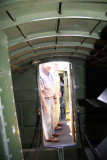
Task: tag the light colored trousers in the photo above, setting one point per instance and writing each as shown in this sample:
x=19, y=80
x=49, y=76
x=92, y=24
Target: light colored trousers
x=56, y=112
x=48, y=119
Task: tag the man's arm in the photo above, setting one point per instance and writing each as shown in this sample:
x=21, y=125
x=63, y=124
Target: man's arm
x=44, y=102
x=55, y=99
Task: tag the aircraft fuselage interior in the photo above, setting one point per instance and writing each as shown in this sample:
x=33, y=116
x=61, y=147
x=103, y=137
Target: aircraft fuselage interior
x=41, y=42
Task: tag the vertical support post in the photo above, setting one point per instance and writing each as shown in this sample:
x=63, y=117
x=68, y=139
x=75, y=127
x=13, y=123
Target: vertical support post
x=60, y=153
x=78, y=83
x=10, y=143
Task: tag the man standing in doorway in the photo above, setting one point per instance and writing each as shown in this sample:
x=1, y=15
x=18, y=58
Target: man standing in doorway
x=58, y=94
x=48, y=98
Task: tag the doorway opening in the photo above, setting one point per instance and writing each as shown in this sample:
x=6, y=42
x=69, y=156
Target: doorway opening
x=60, y=72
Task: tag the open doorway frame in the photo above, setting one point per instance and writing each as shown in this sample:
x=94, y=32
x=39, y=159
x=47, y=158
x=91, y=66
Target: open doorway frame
x=70, y=94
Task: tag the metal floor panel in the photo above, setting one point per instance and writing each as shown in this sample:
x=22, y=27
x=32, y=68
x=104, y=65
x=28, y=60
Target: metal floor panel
x=65, y=138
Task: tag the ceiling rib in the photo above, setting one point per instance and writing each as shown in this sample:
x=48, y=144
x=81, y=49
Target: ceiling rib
x=80, y=53
x=29, y=44
x=44, y=47
x=68, y=13
x=97, y=61
x=64, y=11
x=23, y=34
x=58, y=25
x=29, y=51
x=60, y=12
x=17, y=68
x=105, y=48
x=53, y=34
x=14, y=67
x=14, y=19
x=76, y=48
x=53, y=56
x=60, y=7
x=20, y=30
x=11, y=17
x=83, y=40
x=33, y=50
x=95, y=27
x=49, y=44
x=20, y=54
x=58, y=22
x=50, y=53
x=56, y=42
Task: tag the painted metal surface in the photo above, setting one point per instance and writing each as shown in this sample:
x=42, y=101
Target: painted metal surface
x=9, y=130
x=3, y=136
x=64, y=23
x=31, y=26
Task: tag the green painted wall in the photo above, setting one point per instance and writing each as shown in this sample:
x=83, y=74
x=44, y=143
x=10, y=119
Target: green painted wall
x=26, y=96
x=26, y=105
x=10, y=144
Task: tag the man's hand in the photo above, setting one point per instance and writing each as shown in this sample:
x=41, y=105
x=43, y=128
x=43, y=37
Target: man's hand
x=60, y=94
x=44, y=102
x=55, y=101
x=46, y=109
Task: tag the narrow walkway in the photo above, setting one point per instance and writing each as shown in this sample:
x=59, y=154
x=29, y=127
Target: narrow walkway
x=65, y=138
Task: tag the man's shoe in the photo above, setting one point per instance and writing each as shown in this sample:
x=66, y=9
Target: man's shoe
x=53, y=140
x=58, y=128
x=59, y=124
x=56, y=135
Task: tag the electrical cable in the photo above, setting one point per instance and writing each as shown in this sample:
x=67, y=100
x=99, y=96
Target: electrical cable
x=36, y=132
x=38, y=138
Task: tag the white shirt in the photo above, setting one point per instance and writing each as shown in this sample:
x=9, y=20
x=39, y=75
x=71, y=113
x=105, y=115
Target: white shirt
x=47, y=83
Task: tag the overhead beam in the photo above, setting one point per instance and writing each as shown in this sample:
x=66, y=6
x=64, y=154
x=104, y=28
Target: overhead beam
x=26, y=50
x=7, y=3
x=52, y=56
x=98, y=61
x=79, y=53
x=55, y=54
x=17, y=68
x=93, y=29
x=87, y=53
x=53, y=34
x=84, y=10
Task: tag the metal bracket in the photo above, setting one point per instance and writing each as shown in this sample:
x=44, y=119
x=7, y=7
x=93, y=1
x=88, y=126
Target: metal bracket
x=38, y=112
